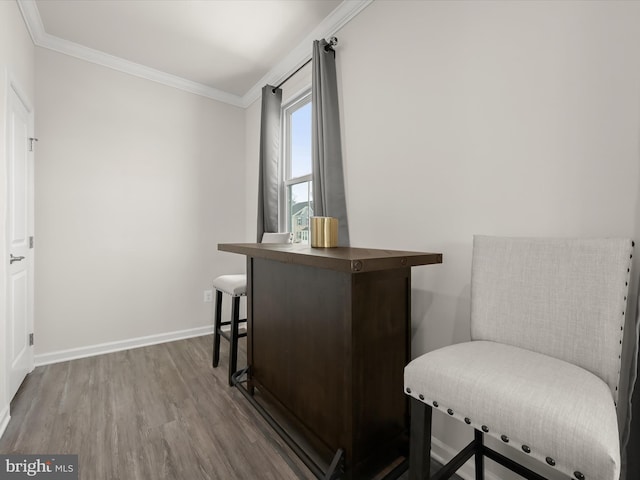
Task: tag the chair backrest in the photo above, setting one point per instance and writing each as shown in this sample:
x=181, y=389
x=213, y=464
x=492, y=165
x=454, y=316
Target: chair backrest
x=561, y=297
x=286, y=237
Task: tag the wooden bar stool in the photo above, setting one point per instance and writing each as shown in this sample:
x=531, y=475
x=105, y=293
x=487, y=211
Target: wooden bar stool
x=236, y=287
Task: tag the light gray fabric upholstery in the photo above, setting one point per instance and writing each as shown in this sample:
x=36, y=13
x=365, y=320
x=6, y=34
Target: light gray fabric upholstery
x=562, y=297
x=543, y=366
x=234, y=285
x=557, y=409
x=286, y=237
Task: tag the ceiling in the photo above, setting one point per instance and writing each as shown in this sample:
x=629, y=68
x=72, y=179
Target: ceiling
x=224, y=49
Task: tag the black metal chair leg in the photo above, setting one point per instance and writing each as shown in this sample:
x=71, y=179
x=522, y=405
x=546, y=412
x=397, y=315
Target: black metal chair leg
x=233, y=348
x=479, y=436
x=217, y=324
x=420, y=441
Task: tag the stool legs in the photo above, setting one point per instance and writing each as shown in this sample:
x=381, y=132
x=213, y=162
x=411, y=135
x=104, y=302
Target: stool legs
x=479, y=437
x=233, y=348
x=420, y=448
x=233, y=334
x=217, y=325
x=420, y=441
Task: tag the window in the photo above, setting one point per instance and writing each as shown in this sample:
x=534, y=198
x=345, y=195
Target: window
x=297, y=184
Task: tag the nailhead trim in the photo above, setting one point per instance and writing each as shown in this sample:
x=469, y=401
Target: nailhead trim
x=408, y=390
x=525, y=448
x=626, y=284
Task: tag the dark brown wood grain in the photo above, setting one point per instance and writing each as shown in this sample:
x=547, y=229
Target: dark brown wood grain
x=328, y=342
x=300, y=337
x=345, y=259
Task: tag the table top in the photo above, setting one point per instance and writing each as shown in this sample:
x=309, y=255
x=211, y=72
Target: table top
x=345, y=259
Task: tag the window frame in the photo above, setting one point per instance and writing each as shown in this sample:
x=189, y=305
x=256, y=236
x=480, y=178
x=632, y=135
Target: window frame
x=287, y=181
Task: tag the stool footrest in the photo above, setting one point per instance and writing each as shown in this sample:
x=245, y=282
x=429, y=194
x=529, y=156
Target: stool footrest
x=227, y=335
x=242, y=320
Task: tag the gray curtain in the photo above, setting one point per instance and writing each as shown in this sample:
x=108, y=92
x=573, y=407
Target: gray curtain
x=269, y=159
x=328, y=177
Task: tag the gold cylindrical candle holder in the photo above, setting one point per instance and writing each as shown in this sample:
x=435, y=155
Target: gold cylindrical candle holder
x=324, y=232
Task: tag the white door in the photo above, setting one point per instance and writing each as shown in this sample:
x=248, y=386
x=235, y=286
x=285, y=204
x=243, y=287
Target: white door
x=19, y=231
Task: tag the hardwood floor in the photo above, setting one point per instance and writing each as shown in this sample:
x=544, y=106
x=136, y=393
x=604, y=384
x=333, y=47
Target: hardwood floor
x=158, y=412
x=151, y=413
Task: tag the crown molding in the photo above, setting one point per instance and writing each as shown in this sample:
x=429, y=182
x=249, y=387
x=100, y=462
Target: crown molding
x=339, y=17
x=41, y=38
x=32, y=20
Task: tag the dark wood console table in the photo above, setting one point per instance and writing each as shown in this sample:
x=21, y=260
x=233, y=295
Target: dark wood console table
x=328, y=339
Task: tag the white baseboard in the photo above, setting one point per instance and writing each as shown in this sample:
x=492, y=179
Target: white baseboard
x=109, y=347
x=4, y=419
x=442, y=453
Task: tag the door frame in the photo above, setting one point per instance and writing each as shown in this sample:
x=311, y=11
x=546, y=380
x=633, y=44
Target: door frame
x=11, y=84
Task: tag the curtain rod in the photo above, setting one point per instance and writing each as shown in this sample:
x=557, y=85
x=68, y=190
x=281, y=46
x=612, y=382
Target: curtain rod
x=329, y=46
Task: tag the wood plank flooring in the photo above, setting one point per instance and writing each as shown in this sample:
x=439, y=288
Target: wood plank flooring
x=152, y=413
x=158, y=412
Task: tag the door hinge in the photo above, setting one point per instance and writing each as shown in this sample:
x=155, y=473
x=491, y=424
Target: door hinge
x=31, y=339
x=30, y=242
x=31, y=140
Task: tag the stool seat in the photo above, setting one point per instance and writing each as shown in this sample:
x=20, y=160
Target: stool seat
x=524, y=384
x=234, y=285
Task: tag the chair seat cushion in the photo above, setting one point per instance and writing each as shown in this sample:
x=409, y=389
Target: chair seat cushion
x=234, y=285
x=561, y=413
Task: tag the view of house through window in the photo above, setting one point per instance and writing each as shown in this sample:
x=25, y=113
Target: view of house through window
x=297, y=168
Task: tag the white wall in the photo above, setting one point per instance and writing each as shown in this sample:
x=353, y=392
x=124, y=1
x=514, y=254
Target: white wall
x=16, y=62
x=507, y=118
x=252, y=156
x=503, y=118
x=136, y=184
